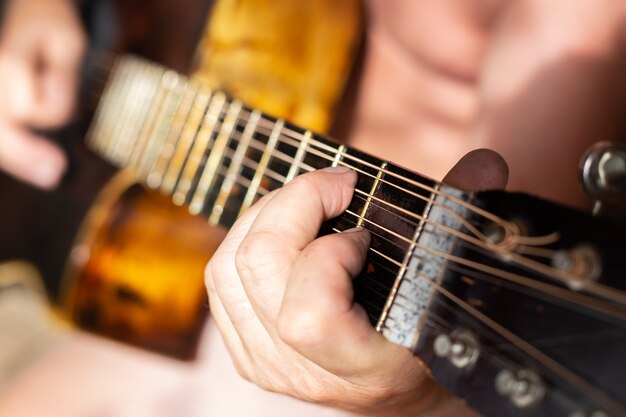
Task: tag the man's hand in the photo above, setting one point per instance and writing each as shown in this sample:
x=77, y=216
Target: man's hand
x=283, y=299
x=41, y=47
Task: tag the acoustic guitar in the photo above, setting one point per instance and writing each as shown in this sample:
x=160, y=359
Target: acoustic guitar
x=514, y=303
x=135, y=271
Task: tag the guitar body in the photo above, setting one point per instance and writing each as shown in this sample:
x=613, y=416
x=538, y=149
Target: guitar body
x=136, y=268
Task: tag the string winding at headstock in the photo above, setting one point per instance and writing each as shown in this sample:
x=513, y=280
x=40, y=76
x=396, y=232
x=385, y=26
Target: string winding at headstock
x=521, y=306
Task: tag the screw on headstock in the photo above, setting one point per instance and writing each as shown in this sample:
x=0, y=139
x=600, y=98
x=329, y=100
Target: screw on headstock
x=523, y=387
x=460, y=347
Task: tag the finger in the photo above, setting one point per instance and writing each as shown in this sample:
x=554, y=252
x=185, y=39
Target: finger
x=234, y=314
x=289, y=222
x=18, y=87
x=318, y=317
x=237, y=351
x=62, y=57
x=31, y=158
x=479, y=170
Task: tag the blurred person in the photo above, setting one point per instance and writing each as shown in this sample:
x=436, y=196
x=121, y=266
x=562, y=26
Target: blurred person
x=536, y=81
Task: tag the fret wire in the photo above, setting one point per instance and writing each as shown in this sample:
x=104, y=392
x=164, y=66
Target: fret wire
x=150, y=132
x=387, y=230
x=236, y=162
x=426, y=199
x=181, y=139
x=371, y=193
x=204, y=143
x=96, y=136
x=477, y=210
x=338, y=155
x=110, y=112
x=127, y=121
x=271, y=145
x=151, y=89
x=186, y=138
x=168, y=134
x=297, y=160
x=136, y=114
x=193, y=154
x=119, y=104
x=221, y=142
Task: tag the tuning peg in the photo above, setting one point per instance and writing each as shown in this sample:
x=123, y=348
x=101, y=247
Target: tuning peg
x=603, y=174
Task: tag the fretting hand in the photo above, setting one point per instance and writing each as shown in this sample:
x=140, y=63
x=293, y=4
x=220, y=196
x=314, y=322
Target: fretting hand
x=41, y=47
x=283, y=299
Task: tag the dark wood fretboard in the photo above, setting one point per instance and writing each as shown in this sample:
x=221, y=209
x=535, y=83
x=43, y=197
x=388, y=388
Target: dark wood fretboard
x=217, y=156
x=432, y=273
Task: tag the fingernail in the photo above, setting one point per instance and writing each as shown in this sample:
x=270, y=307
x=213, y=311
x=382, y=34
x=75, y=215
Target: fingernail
x=353, y=230
x=337, y=170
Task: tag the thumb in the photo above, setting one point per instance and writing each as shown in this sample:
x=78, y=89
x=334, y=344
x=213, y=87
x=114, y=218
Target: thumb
x=479, y=170
x=318, y=317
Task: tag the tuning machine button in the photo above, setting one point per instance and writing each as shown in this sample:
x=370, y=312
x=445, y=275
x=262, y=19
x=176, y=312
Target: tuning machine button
x=603, y=174
x=460, y=347
x=523, y=387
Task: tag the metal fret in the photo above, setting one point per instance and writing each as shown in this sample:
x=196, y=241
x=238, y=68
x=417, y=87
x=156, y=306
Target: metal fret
x=297, y=160
x=157, y=173
x=125, y=96
x=97, y=134
x=212, y=164
x=140, y=96
x=157, y=125
x=233, y=170
x=193, y=114
x=110, y=110
x=338, y=155
x=204, y=139
x=260, y=172
x=366, y=207
x=170, y=157
x=199, y=146
x=151, y=81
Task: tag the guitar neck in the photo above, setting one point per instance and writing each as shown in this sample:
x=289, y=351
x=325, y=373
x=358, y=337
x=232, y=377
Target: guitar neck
x=445, y=267
x=217, y=156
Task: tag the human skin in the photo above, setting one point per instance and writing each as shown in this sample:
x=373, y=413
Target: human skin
x=438, y=79
x=41, y=47
x=470, y=74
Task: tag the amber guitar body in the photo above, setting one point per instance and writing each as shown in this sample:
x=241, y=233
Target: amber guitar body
x=136, y=269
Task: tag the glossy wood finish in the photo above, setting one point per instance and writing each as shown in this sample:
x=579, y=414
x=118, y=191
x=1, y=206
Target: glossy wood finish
x=137, y=285
x=580, y=337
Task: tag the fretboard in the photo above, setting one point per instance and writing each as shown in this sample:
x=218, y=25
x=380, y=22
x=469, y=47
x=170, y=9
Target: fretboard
x=473, y=302
x=218, y=156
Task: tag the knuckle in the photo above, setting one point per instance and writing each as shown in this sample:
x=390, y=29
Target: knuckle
x=302, y=328
x=256, y=254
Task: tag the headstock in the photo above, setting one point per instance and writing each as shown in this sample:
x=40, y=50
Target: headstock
x=528, y=318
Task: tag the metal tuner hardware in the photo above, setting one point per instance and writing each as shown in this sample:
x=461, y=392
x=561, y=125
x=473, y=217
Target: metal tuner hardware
x=603, y=175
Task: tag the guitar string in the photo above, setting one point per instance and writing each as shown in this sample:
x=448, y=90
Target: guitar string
x=298, y=136
x=608, y=403
x=459, y=300
x=498, y=359
x=556, y=292
x=593, y=287
x=572, y=298
x=281, y=179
